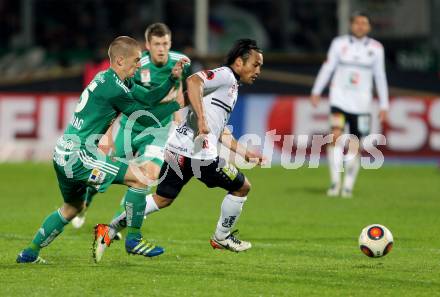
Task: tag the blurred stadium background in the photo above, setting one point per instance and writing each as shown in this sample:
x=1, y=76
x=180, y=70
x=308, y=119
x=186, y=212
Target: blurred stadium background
x=49, y=48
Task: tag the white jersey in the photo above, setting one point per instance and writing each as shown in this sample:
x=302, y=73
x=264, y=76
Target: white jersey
x=220, y=92
x=354, y=63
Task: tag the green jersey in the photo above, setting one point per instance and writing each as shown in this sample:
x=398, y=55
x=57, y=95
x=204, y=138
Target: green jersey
x=101, y=102
x=151, y=76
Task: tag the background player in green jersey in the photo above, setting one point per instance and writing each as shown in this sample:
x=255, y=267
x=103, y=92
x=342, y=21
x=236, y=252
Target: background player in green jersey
x=80, y=166
x=156, y=65
x=138, y=140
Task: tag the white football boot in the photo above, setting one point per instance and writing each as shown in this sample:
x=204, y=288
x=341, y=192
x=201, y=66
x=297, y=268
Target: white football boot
x=346, y=193
x=230, y=243
x=334, y=190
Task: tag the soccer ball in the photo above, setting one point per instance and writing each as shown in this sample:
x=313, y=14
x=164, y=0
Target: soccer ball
x=376, y=241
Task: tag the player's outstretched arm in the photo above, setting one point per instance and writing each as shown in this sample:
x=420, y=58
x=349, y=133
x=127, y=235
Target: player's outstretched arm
x=380, y=79
x=326, y=71
x=141, y=112
x=195, y=95
x=154, y=96
x=231, y=143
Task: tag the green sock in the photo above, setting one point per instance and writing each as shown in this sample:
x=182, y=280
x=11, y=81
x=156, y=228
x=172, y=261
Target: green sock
x=120, y=210
x=52, y=226
x=135, y=208
x=119, y=221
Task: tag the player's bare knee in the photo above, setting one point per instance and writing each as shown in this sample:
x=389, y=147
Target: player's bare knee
x=72, y=209
x=162, y=202
x=151, y=171
x=136, y=183
x=244, y=190
x=337, y=132
x=139, y=185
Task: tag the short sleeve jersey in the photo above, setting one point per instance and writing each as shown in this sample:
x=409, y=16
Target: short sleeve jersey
x=220, y=91
x=151, y=76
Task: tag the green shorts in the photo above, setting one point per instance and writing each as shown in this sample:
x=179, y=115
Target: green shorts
x=79, y=172
x=142, y=146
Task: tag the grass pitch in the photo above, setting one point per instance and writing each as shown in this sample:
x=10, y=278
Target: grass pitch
x=304, y=243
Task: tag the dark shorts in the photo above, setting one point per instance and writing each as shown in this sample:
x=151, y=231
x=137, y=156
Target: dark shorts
x=177, y=170
x=358, y=124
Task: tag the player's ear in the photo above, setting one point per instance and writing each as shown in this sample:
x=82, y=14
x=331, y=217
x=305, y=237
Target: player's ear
x=120, y=60
x=239, y=62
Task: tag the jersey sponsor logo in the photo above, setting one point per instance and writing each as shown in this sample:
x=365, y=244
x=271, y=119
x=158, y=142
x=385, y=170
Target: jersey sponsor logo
x=205, y=144
x=145, y=76
x=354, y=78
x=96, y=177
x=209, y=74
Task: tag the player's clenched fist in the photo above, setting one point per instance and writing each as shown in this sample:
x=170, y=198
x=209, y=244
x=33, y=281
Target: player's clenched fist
x=178, y=67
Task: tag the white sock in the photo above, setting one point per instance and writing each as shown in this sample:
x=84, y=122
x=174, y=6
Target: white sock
x=352, y=165
x=151, y=205
x=230, y=212
x=335, y=155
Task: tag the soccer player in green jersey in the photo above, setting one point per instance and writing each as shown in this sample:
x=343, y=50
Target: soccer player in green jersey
x=80, y=166
x=145, y=143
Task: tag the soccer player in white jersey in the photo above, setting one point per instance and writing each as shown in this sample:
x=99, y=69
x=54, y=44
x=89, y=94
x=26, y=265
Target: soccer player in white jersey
x=353, y=60
x=191, y=150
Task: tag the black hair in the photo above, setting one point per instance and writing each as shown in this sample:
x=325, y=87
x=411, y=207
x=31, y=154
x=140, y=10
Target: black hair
x=359, y=13
x=242, y=48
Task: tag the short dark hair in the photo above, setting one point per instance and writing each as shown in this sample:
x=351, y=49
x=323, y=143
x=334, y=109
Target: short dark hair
x=359, y=13
x=242, y=48
x=157, y=29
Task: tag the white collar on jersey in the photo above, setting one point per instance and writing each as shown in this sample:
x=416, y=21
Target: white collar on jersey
x=365, y=40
